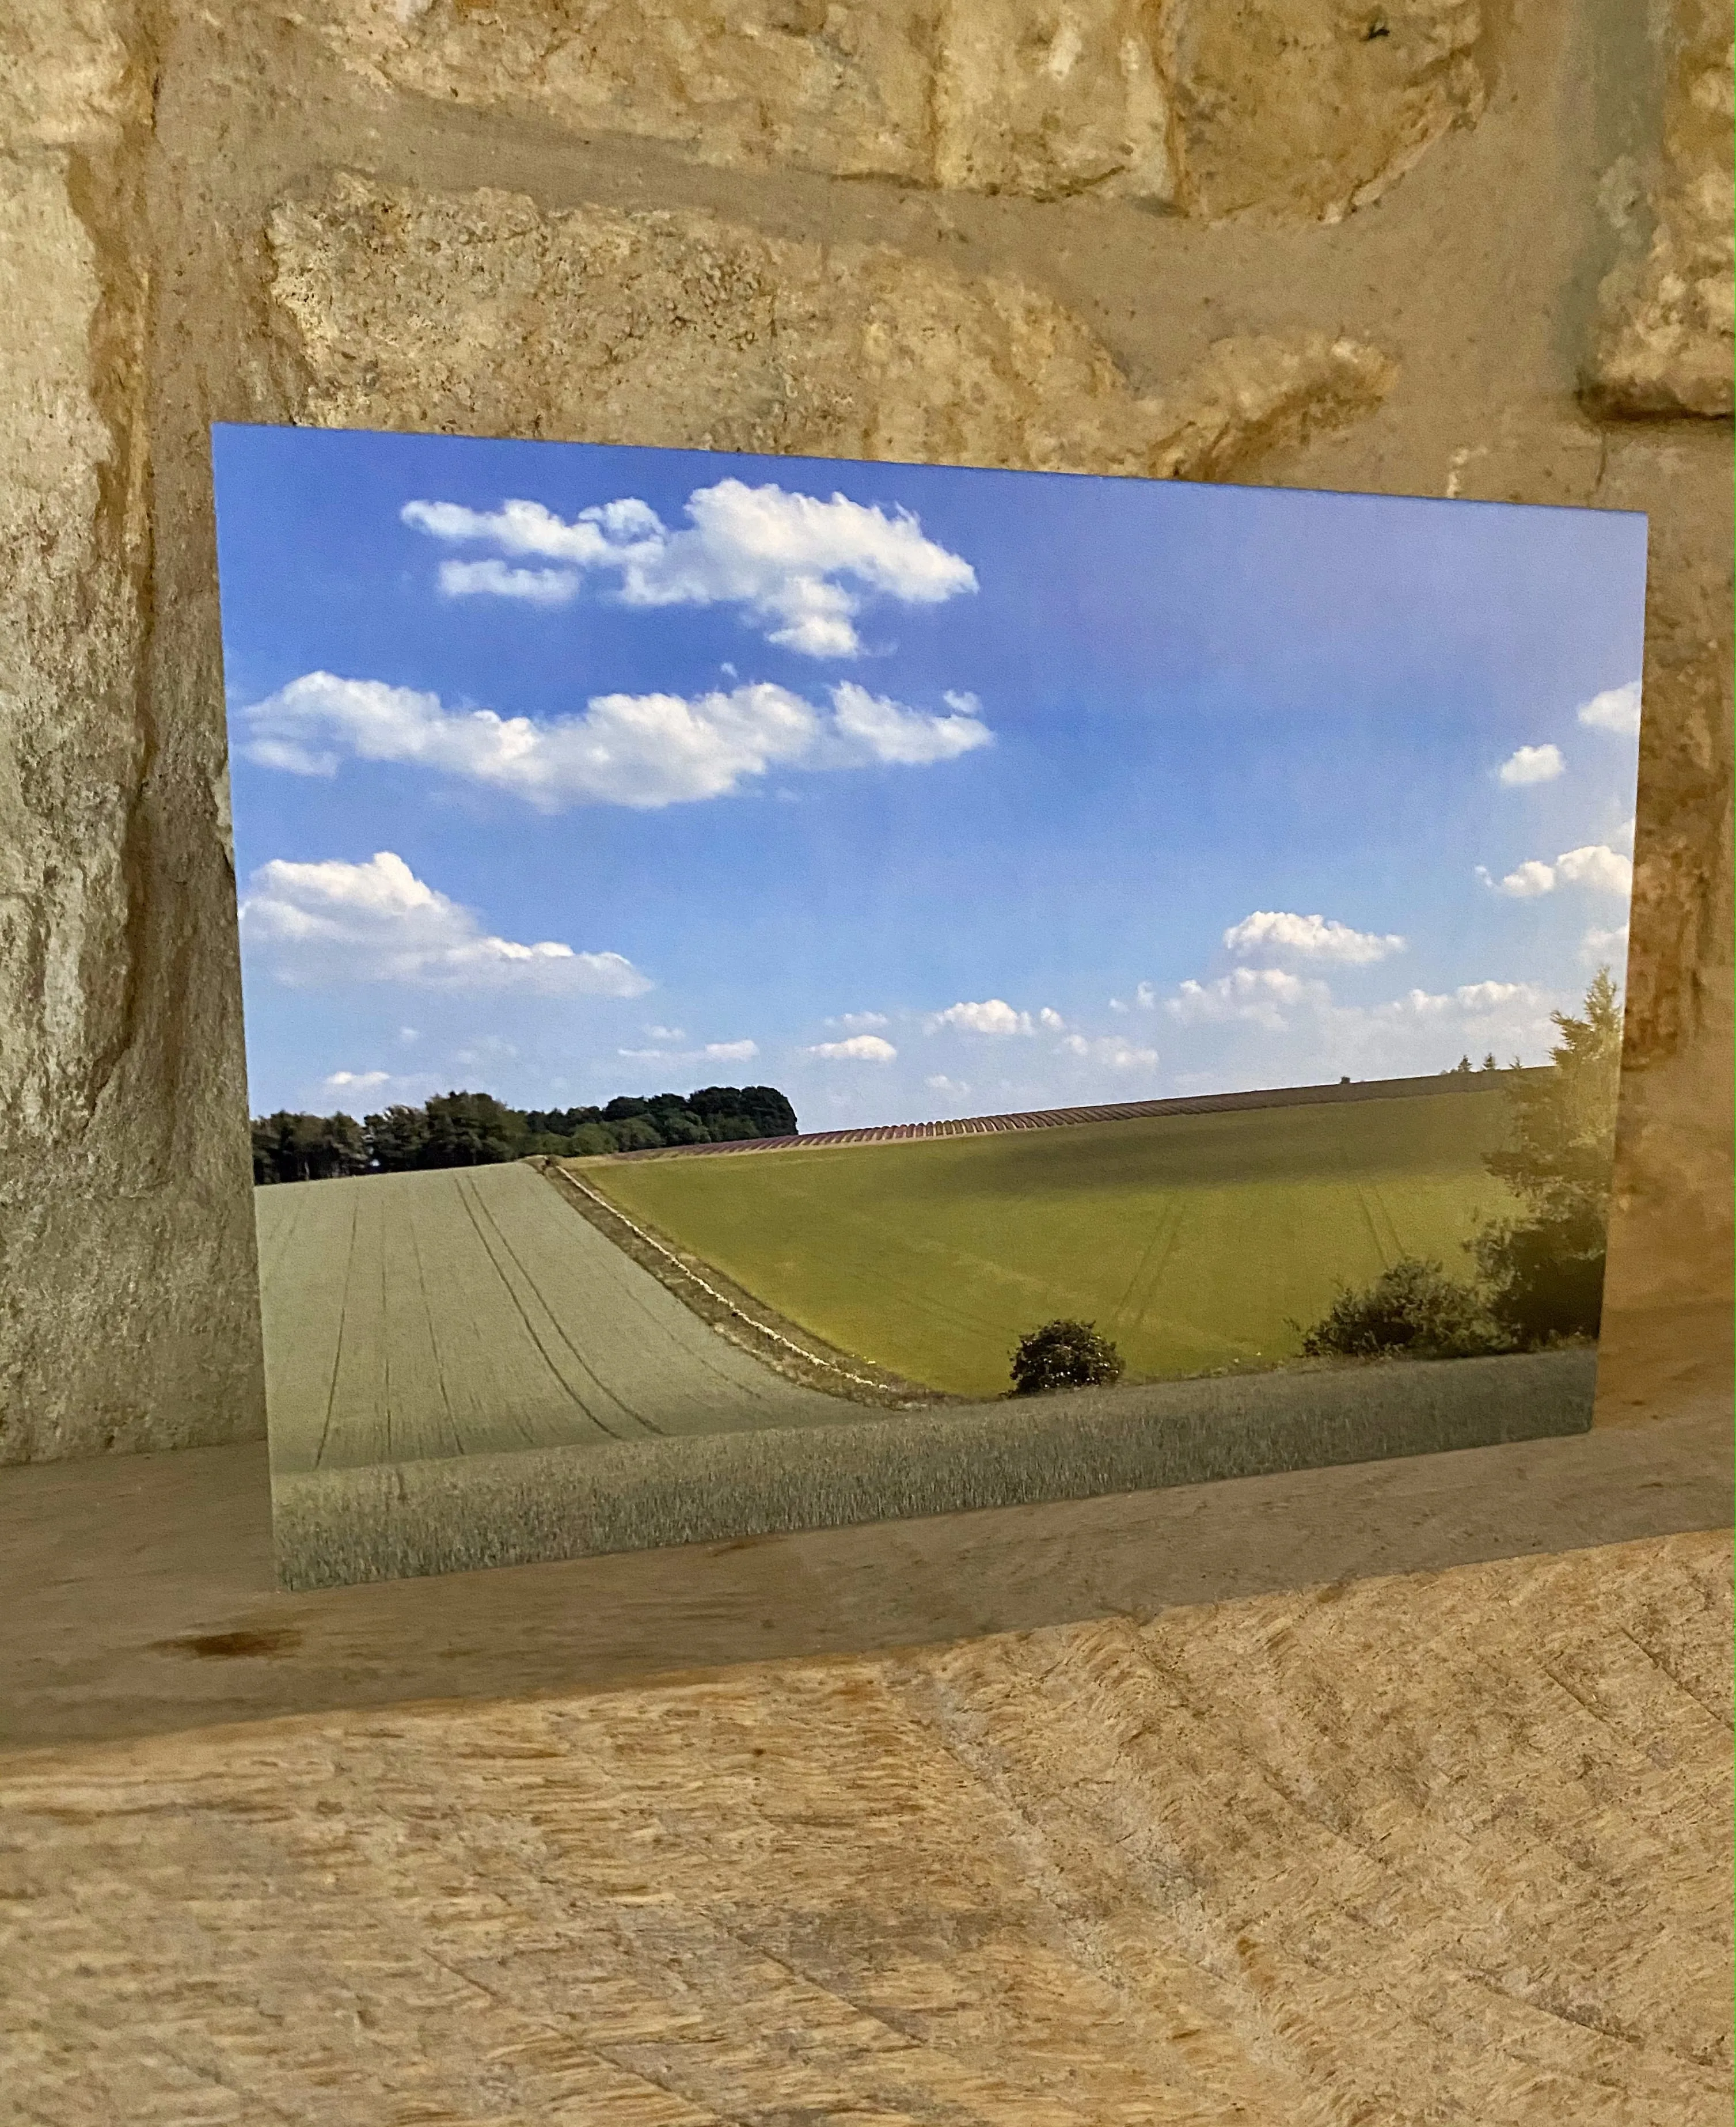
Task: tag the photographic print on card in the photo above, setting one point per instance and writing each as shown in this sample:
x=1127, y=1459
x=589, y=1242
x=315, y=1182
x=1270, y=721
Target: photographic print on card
x=782, y=991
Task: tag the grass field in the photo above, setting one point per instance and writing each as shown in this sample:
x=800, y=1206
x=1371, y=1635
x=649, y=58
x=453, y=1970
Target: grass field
x=1192, y=1240
x=469, y=1311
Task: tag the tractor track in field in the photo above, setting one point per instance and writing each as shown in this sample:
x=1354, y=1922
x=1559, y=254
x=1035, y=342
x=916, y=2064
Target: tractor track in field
x=458, y=1312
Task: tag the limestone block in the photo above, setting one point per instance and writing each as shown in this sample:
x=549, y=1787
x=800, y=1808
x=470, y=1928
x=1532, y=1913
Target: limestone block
x=983, y=95
x=65, y=78
x=482, y=315
x=1311, y=108
x=1042, y=101
x=1306, y=107
x=1666, y=344
x=122, y=1213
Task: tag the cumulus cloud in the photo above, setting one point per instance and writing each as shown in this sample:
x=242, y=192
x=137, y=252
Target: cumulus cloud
x=954, y=1089
x=331, y=922
x=859, y=1048
x=1144, y=999
x=644, y=750
x=1532, y=763
x=1595, y=867
x=356, y=1081
x=1260, y=995
x=858, y=1022
x=992, y=1016
x=1525, y=881
x=1470, y=1000
x=495, y=579
x=799, y=568
x=1615, y=710
x=1110, y=1049
x=1308, y=938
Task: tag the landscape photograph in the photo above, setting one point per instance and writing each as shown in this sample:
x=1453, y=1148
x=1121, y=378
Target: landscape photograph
x=782, y=991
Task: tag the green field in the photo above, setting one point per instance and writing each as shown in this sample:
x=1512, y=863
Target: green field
x=1190, y=1239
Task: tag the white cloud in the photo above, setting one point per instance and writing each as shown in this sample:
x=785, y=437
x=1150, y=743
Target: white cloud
x=1260, y=995
x=729, y=1052
x=1145, y=999
x=1605, y=945
x=859, y=1049
x=1469, y=1001
x=667, y=1033
x=1532, y=763
x=1624, y=833
x=1598, y=866
x=1051, y=1019
x=1525, y=883
x=1309, y=937
x=493, y=579
x=1615, y=710
x=644, y=750
x=993, y=1016
x=1111, y=1049
x=356, y=1081
x=954, y=1089
x=317, y=924
x=798, y=567
x=858, y=1022
x=867, y=729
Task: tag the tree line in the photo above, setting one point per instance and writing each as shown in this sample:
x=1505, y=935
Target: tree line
x=475, y=1130
x=1537, y=1278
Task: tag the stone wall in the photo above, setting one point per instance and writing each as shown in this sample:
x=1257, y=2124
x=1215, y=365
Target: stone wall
x=1463, y=246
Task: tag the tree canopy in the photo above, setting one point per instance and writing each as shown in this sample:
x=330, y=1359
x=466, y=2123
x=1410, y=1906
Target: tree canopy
x=474, y=1129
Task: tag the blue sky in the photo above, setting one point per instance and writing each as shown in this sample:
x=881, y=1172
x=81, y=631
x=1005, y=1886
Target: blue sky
x=566, y=771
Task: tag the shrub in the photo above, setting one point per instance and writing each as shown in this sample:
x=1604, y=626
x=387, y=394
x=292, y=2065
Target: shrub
x=1064, y=1355
x=1414, y=1311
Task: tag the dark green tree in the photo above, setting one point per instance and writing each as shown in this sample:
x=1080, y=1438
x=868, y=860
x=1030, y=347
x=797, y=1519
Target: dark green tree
x=300, y=1147
x=395, y=1137
x=470, y=1129
x=1064, y=1354
x=1544, y=1269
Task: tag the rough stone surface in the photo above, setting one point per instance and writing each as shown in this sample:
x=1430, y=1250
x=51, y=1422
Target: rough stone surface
x=1303, y=108
x=479, y=313
x=1665, y=345
x=121, y=1170
x=260, y=213
x=1454, y=1846
x=1315, y=109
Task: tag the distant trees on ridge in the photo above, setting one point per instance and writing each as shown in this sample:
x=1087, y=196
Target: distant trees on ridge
x=475, y=1130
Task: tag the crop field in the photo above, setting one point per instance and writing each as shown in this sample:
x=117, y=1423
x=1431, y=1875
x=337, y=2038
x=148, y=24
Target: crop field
x=469, y=1311
x=1193, y=1240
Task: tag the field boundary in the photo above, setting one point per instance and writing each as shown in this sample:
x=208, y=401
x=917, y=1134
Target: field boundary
x=748, y=1322
x=1186, y=1104
x=388, y=1520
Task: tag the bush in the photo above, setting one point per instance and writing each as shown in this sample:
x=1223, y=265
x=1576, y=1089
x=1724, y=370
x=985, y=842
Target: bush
x=1545, y=1276
x=1414, y=1311
x=1064, y=1355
